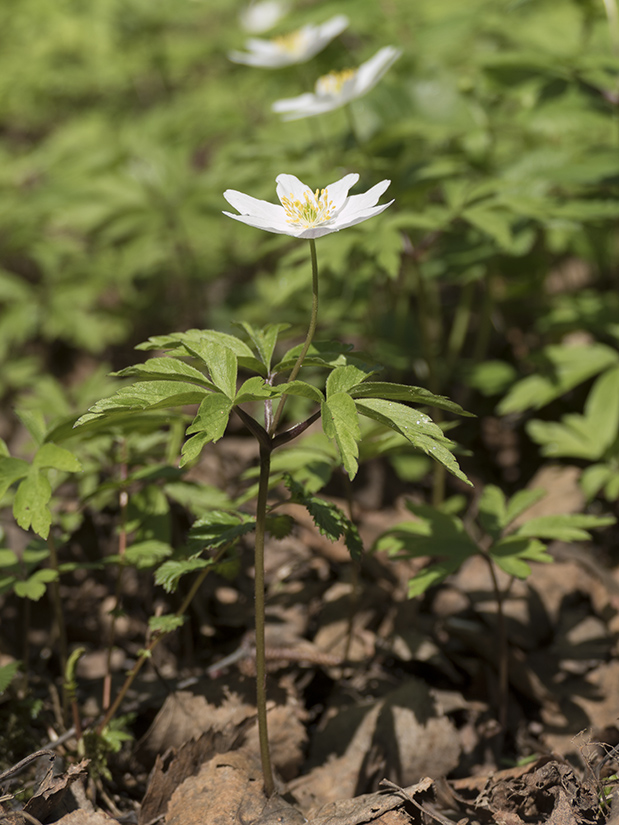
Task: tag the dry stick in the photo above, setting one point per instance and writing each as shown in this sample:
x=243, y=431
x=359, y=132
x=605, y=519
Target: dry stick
x=154, y=642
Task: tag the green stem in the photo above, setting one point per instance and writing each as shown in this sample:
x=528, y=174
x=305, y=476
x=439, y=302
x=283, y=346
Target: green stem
x=308, y=338
x=58, y=614
x=261, y=695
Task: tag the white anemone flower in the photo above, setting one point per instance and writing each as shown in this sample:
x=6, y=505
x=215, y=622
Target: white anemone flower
x=338, y=88
x=307, y=214
x=259, y=17
x=296, y=47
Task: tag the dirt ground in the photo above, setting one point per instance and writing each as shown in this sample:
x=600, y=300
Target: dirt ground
x=381, y=709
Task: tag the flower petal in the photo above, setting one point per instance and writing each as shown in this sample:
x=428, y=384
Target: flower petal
x=338, y=191
x=372, y=70
x=343, y=222
x=289, y=185
x=280, y=228
x=247, y=205
x=357, y=203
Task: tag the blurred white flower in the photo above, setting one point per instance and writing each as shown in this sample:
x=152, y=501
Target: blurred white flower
x=259, y=17
x=338, y=88
x=307, y=214
x=296, y=47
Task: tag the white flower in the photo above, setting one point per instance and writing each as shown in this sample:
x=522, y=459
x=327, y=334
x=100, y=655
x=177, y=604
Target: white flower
x=337, y=88
x=307, y=214
x=259, y=17
x=297, y=47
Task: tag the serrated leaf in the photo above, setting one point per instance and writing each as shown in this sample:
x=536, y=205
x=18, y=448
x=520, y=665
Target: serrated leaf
x=301, y=389
x=493, y=510
x=279, y=526
x=30, y=505
x=145, y=554
x=432, y=533
x=192, y=448
x=416, y=427
x=339, y=421
x=212, y=417
x=218, y=528
x=493, y=221
x=170, y=572
x=146, y=395
x=264, y=339
x=59, y=458
x=207, y=344
x=560, y=370
x=328, y=518
x=169, y=369
x=36, y=585
x=34, y=422
x=7, y=674
x=165, y=624
x=254, y=389
x=568, y=527
x=11, y=470
x=521, y=501
x=400, y=392
x=512, y=553
x=342, y=379
x=319, y=354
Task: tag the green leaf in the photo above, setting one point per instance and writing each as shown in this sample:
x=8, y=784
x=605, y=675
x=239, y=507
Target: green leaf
x=254, y=389
x=219, y=528
x=8, y=558
x=594, y=478
x=521, y=501
x=301, y=389
x=339, y=421
x=492, y=510
x=432, y=533
x=264, y=339
x=7, y=674
x=171, y=572
x=212, y=417
x=328, y=518
x=319, y=354
x=207, y=344
x=145, y=554
x=30, y=505
x=416, y=427
x=36, y=585
x=146, y=395
x=586, y=436
x=512, y=553
x=192, y=448
x=492, y=221
x=58, y=458
x=342, y=379
x=279, y=526
x=34, y=422
x=169, y=369
x=11, y=470
x=569, y=527
x=401, y=392
x=165, y=624
x=561, y=368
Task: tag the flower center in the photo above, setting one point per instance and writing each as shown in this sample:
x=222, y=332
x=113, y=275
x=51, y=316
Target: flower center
x=292, y=43
x=330, y=85
x=314, y=209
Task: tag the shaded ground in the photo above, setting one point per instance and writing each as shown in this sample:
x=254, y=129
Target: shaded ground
x=365, y=686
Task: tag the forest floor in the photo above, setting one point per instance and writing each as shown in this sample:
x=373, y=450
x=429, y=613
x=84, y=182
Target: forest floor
x=382, y=709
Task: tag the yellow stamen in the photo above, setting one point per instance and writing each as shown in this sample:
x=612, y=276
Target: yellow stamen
x=331, y=84
x=314, y=209
x=292, y=43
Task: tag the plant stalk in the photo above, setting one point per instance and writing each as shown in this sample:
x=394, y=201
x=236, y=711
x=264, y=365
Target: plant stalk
x=308, y=338
x=261, y=688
